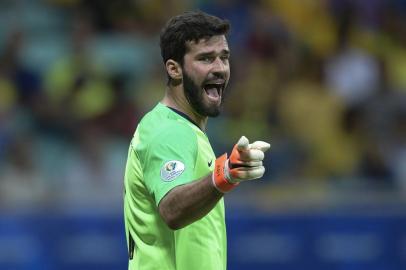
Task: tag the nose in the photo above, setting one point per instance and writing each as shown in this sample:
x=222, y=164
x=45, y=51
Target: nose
x=220, y=67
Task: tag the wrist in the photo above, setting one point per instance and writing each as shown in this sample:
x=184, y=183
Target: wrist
x=221, y=175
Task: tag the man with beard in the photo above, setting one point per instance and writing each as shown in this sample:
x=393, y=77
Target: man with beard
x=174, y=185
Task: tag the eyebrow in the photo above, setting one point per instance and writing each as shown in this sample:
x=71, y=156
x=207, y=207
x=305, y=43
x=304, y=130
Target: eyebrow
x=224, y=51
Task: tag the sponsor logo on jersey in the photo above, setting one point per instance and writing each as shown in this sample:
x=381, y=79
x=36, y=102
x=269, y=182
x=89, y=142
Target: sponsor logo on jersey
x=172, y=169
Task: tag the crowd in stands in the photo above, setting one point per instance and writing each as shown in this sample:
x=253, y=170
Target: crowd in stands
x=324, y=81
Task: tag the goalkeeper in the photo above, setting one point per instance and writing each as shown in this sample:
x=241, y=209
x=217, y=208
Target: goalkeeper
x=174, y=185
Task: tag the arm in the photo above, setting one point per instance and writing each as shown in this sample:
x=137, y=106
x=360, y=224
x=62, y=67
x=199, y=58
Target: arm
x=187, y=203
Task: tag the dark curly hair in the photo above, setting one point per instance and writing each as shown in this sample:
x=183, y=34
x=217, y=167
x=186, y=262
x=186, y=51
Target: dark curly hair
x=189, y=26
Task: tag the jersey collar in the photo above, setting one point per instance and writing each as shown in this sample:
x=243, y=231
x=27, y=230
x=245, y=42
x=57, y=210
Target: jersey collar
x=184, y=115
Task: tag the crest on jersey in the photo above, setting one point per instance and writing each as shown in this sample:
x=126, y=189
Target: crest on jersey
x=172, y=169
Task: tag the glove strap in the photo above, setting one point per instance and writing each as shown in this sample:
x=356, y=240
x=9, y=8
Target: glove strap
x=219, y=178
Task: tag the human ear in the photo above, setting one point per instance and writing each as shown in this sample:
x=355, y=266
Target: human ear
x=174, y=69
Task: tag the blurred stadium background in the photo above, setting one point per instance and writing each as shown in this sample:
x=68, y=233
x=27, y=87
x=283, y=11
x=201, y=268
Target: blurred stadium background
x=323, y=81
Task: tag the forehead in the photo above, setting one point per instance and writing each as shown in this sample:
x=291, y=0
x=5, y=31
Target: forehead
x=215, y=44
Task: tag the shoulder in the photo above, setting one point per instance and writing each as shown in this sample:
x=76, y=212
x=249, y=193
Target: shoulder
x=160, y=128
x=174, y=132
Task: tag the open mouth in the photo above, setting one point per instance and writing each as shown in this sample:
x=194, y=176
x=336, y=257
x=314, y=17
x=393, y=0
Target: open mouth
x=214, y=90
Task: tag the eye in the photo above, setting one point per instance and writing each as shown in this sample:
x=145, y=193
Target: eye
x=207, y=59
x=225, y=58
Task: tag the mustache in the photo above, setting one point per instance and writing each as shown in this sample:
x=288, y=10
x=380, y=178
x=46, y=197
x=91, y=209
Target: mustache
x=214, y=77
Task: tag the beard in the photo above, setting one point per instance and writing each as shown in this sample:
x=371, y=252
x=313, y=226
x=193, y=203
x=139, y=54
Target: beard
x=194, y=95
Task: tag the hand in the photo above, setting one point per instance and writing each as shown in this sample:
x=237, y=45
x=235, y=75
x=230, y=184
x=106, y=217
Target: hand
x=245, y=163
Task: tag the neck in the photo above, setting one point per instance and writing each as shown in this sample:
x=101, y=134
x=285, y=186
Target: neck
x=175, y=98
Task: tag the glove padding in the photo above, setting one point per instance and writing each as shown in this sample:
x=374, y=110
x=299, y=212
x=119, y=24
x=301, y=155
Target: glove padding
x=245, y=163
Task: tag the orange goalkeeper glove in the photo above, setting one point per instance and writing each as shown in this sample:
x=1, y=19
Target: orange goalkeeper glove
x=245, y=163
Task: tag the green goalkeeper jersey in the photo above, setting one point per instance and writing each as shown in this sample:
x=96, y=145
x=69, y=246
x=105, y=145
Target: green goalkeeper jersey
x=168, y=150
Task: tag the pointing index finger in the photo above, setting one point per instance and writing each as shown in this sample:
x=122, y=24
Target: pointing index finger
x=243, y=144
